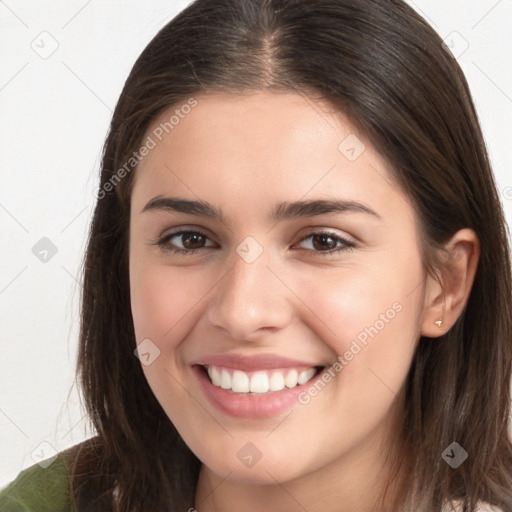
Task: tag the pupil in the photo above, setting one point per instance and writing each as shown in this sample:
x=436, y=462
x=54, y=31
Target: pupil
x=190, y=245
x=325, y=239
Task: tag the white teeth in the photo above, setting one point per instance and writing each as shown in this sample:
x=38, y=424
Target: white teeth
x=258, y=382
x=225, y=380
x=276, y=381
x=214, y=375
x=240, y=382
x=305, y=375
x=291, y=379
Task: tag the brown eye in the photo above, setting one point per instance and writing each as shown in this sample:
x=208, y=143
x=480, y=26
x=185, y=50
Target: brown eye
x=326, y=243
x=323, y=241
x=191, y=242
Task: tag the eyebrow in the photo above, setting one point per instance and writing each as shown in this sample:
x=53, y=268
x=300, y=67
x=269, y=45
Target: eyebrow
x=282, y=211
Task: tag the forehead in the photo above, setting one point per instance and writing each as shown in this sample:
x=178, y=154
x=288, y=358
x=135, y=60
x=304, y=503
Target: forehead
x=284, y=125
x=242, y=148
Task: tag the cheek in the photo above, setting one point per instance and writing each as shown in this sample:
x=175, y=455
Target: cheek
x=374, y=331
x=163, y=298
x=370, y=318
x=164, y=301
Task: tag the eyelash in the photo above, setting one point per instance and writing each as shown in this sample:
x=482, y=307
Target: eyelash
x=162, y=243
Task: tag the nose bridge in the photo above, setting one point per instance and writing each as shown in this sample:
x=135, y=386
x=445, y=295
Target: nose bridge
x=250, y=297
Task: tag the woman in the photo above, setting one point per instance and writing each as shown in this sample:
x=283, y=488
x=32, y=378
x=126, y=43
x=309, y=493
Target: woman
x=297, y=283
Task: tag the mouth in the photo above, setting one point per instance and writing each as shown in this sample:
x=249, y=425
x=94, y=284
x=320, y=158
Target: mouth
x=254, y=393
x=262, y=382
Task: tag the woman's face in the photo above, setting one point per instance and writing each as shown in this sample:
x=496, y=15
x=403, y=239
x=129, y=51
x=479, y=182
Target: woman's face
x=304, y=283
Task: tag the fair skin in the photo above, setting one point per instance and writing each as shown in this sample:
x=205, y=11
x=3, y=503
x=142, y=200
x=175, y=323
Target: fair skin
x=244, y=155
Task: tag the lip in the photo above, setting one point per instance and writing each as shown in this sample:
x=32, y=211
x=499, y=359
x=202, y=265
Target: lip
x=251, y=406
x=254, y=362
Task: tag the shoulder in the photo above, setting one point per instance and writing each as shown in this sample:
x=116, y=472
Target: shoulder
x=485, y=507
x=456, y=506
x=41, y=487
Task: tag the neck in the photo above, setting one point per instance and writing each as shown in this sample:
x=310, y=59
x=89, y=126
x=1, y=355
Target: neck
x=355, y=481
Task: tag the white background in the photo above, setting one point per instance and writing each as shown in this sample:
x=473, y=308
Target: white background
x=54, y=115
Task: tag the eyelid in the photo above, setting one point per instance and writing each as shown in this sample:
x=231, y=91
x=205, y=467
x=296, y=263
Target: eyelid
x=318, y=230
x=185, y=229
x=309, y=230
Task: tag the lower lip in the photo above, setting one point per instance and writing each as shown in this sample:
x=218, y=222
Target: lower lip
x=250, y=406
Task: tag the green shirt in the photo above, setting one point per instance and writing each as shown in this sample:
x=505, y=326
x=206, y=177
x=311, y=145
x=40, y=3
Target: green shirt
x=39, y=490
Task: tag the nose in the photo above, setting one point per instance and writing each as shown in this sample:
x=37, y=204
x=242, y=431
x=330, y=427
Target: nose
x=250, y=301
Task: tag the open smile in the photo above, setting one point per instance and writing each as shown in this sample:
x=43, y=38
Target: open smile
x=257, y=393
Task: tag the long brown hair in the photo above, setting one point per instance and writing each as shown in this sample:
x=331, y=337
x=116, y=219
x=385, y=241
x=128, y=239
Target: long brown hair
x=383, y=66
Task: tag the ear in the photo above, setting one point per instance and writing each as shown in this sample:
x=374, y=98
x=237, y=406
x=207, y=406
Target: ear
x=446, y=296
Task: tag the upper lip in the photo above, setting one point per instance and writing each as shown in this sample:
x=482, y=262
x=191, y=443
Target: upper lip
x=253, y=362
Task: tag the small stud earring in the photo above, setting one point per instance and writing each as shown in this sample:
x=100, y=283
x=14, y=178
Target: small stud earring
x=439, y=323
